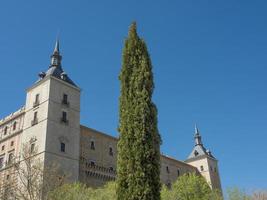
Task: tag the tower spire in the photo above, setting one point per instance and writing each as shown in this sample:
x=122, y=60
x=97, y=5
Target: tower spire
x=56, y=57
x=197, y=136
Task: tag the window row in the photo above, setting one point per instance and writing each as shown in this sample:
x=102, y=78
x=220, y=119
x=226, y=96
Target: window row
x=168, y=171
x=92, y=147
x=64, y=100
x=64, y=118
x=13, y=127
x=3, y=146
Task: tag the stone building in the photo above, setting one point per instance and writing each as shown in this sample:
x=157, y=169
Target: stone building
x=50, y=122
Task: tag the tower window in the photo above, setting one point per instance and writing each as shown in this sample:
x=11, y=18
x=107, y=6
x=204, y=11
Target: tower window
x=215, y=169
x=14, y=126
x=32, y=147
x=65, y=99
x=167, y=170
x=64, y=117
x=35, y=118
x=196, y=153
x=36, y=101
x=5, y=130
x=201, y=168
x=92, y=146
x=110, y=151
x=62, y=147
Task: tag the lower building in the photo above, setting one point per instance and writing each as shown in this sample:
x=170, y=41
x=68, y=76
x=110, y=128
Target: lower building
x=50, y=123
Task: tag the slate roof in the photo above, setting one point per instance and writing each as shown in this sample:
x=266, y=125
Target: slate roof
x=55, y=68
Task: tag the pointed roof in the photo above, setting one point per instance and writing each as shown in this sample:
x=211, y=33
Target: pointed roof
x=55, y=68
x=56, y=49
x=199, y=150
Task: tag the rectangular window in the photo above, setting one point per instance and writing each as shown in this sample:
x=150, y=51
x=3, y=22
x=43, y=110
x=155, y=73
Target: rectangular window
x=32, y=148
x=65, y=99
x=5, y=130
x=64, y=117
x=3, y=147
x=167, y=170
x=62, y=147
x=12, y=143
x=92, y=145
x=178, y=172
x=14, y=125
x=110, y=151
x=35, y=118
x=36, y=101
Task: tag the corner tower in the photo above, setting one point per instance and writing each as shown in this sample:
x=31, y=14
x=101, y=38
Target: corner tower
x=52, y=118
x=205, y=162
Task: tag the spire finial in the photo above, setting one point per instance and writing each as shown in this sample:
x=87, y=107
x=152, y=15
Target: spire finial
x=56, y=57
x=196, y=129
x=56, y=50
x=197, y=136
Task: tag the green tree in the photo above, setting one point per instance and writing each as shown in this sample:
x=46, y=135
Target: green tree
x=139, y=142
x=190, y=187
x=78, y=191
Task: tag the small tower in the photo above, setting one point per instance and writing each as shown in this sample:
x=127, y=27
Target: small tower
x=52, y=118
x=205, y=162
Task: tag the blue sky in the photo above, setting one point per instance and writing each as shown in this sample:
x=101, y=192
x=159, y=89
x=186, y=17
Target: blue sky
x=209, y=60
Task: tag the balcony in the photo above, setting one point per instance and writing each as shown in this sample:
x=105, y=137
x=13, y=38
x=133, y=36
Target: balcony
x=34, y=121
x=65, y=102
x=64, y=121
x=36, y=103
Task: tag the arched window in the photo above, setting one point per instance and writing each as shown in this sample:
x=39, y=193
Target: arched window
x=201, y=168
x=10, y=158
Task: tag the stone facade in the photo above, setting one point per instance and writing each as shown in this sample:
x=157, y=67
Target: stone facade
x=50, y=120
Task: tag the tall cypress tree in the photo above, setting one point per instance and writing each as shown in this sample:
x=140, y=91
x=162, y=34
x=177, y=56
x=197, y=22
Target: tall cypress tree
x=138, y=164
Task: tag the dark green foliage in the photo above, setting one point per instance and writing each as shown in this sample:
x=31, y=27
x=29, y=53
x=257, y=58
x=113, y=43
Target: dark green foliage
x=139, y=142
